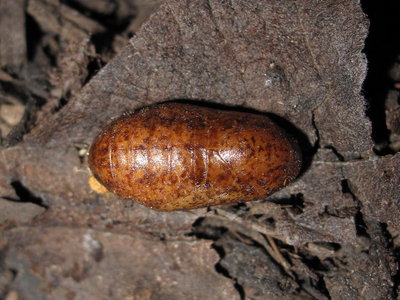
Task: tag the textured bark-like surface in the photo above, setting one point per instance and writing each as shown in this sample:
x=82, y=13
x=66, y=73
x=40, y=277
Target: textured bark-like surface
x=85, y=264
x=260, y=55
x=13, y=51
x=331, y=234
x=378, y=188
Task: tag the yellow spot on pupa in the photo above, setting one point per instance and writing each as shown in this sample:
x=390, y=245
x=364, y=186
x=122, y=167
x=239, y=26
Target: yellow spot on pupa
x=96, y=186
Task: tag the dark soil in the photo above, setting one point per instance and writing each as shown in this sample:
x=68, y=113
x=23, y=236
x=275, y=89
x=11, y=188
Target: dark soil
x=326, y=71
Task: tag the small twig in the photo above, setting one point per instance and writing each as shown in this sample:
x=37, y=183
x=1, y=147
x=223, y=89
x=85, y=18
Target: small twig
x=277, y=254
x=257, y=233
x=251, y=225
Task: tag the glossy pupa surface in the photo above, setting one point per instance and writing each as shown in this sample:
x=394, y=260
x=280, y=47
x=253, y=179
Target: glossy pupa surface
x=177, y=156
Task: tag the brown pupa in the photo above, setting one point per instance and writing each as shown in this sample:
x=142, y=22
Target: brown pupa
x=177, y=156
